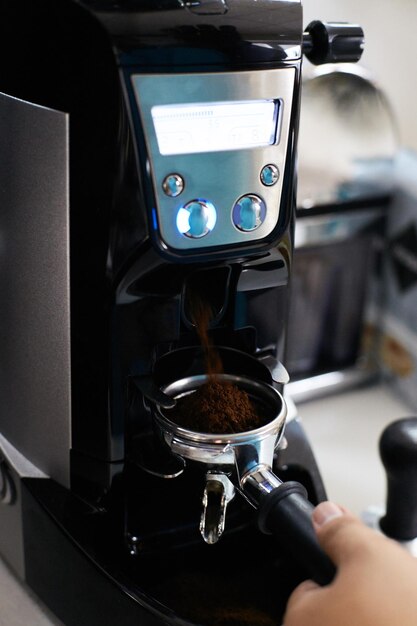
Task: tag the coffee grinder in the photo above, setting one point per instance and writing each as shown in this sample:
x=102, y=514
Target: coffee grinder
x=147, y=156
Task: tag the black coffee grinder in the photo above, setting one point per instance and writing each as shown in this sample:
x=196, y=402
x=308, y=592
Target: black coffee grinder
x=147, y=160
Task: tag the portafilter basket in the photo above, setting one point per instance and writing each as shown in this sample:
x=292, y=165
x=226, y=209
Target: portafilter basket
x=242, y=461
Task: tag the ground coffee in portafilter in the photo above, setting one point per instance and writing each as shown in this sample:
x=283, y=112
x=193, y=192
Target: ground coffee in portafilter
x=216, y=407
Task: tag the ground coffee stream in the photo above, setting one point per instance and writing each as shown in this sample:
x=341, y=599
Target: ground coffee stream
x=216, y=407
x=202, y=314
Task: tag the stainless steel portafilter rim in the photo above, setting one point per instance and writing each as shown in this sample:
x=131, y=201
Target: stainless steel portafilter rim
x=228, y=458
x=267, y=394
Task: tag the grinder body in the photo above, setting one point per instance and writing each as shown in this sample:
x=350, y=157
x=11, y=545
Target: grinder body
x=152, y=151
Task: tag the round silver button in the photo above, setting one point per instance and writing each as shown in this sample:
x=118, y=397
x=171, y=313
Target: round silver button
x=173, y=185
x=248, y=213
x=269, y=175
x=196, y=218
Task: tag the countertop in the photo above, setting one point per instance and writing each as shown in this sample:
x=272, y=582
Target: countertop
x=18, y=606
x=344, y=431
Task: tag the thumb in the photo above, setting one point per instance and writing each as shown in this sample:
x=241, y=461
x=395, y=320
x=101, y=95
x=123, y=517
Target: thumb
x=341, y=535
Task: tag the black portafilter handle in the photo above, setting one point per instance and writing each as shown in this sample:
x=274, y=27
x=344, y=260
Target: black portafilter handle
x=286, y=513
x=398, y=450
x=333, y=42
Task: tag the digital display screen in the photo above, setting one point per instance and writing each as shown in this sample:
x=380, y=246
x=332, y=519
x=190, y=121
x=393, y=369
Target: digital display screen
x=215, y=126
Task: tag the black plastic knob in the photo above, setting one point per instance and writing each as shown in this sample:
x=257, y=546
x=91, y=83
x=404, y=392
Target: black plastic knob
x=333, y=42
x=398, y=450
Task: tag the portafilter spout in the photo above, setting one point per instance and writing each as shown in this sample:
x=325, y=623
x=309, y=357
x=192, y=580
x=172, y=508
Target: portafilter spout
x=243, y=461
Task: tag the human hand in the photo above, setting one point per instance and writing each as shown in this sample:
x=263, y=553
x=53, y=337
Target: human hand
x=375, y=584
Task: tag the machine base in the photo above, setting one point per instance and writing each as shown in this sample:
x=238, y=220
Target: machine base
x=77, y=562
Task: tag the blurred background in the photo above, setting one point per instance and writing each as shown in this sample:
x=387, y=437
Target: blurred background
x=353, y=361
x=389, y=51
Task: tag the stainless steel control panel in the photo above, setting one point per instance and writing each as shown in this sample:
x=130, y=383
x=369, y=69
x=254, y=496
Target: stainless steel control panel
x=217, y=145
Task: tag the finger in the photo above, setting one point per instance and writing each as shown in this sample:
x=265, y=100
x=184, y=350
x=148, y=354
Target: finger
x=341, y=534
x=325, y=512
x=299, y=603
x=301, y=592
x=305, y=587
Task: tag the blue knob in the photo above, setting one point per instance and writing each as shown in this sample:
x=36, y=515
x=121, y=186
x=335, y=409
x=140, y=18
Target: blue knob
x=196, y=218
x=173, y=185
x=248, y=213
x=269, y=175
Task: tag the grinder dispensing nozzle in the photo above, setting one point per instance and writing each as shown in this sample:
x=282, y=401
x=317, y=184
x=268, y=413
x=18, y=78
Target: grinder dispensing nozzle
x=333, y=42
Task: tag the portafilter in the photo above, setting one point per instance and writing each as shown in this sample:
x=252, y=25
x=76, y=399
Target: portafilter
x=242, y=462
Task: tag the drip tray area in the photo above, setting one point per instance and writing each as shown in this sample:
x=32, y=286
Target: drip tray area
x=241, y=581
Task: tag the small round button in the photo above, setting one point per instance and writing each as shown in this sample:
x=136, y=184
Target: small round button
x=249, y=212
x=196, y=218
x=269, y=175
x=173, y=185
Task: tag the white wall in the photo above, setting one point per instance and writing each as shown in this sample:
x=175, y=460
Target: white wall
x=390, y=49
